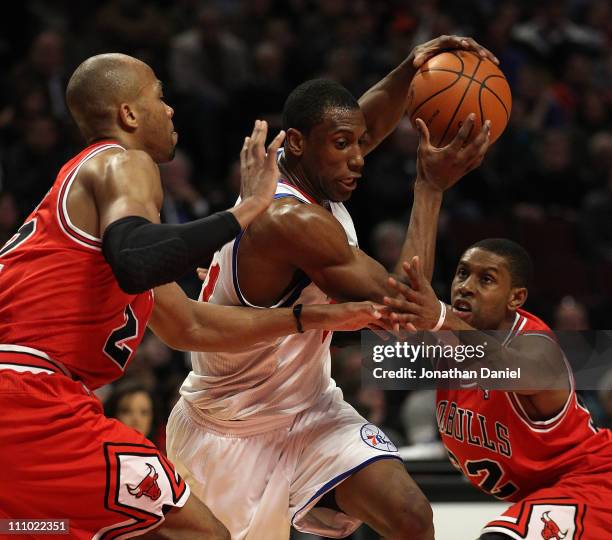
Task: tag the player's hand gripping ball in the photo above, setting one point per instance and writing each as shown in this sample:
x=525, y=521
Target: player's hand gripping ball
x=452, y=85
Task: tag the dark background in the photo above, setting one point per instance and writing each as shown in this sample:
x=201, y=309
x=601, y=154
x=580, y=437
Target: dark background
x=547, y=183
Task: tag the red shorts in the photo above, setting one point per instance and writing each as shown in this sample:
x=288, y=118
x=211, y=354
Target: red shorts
x=63, y=459
x=576, y=508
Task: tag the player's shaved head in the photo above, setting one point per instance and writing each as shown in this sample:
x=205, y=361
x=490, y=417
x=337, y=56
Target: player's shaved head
x=99, y=85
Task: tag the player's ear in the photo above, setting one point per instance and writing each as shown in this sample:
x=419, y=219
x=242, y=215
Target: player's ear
x=518, y=296
x=127, y=116
x=295, y=142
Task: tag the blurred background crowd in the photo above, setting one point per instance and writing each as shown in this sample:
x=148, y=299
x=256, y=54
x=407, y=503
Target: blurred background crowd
x=547, y=183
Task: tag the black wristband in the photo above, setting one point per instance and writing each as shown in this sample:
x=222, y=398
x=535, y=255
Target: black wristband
x=297, y=313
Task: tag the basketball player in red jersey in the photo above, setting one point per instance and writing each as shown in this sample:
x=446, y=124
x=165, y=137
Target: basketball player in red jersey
x=76, y=295
x=533, y=443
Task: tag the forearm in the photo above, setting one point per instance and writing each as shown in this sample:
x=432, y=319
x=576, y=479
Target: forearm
x=423, y=228
x=230, y=329
x=384, y=104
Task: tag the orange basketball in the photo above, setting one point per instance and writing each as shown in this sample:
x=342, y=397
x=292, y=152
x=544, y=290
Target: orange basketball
x=452, y=85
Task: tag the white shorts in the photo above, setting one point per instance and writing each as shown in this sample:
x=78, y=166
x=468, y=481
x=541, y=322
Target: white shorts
x=260, y=485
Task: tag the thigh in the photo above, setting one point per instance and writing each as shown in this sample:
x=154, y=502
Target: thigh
x=332, y=443
x=64, y=459
x=241, y=479
x=378, y=493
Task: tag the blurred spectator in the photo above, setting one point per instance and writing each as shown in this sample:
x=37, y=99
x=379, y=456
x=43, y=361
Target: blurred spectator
x=182, y=201
x=605, y=401
x=538, y=192
x=137, y=28
x=206, y=63
x=263, y=95
x=208, y=60
x=385, y=191
x=45, y=70
x=550, y=32
x=30, y=168
x=133, y=405
x=9, y=217
x=386, y=243
x=596, y=222
x=570, y=315
x=418, y=416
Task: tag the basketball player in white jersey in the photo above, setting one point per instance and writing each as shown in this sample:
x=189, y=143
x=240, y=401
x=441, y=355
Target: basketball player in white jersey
x=264, y=436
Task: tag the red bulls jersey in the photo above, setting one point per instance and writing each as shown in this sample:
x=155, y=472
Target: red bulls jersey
x=502, y=451
x=58, y=296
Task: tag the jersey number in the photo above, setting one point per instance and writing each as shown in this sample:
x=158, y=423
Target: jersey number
x=493, y=474
x=115, y=348
x=24, y=232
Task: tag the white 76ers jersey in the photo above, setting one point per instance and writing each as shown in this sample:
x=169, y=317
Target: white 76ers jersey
x=270, y=381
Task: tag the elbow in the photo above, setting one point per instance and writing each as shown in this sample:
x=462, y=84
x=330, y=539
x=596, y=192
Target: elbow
x=130, y=282
x=133, y=277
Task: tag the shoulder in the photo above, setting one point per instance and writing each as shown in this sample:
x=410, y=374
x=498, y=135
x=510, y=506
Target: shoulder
x=124, y=171
x=530, y=324
x=115, y=161
x=292, y=219
x=292, y=227
x=130, y=158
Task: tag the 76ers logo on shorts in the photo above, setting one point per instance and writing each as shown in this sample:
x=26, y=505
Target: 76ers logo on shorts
x=374, y=436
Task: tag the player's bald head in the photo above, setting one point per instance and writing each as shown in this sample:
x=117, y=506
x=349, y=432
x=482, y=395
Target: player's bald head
x=99, y=85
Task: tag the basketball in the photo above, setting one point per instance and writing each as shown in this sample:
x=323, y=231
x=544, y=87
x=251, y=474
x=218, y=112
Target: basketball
x=452, y=85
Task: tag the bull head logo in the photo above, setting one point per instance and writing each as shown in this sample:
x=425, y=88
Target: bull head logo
x=551, y=530
x=148, y=485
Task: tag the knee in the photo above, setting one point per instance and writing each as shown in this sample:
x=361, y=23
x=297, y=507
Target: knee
x=413, y=519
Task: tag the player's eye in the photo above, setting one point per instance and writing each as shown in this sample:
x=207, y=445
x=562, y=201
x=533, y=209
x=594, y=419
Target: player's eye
x=341, y=144
x=488, y=279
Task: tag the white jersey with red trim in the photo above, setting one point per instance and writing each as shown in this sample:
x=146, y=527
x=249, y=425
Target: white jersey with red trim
x=271, y=381
x=59, y=299
x=502, y=451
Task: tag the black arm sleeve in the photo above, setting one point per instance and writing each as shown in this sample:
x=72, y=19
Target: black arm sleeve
x=144, y=255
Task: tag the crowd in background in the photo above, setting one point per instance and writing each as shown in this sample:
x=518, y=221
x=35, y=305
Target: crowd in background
x=547, y=183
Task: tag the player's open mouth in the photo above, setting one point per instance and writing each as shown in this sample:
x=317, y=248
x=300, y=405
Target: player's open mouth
x=462, y=309
x=350, y=182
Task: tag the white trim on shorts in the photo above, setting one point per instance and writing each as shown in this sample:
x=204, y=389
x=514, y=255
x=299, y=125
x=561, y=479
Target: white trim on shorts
x=336, y=481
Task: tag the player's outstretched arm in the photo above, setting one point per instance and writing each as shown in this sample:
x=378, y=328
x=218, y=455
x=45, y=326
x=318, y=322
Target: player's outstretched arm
x=438, y=169
x=188, y=325
x=385, y=103
x=544, y=375
x=142, y=252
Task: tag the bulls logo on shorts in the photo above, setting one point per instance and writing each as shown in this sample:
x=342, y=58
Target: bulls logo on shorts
x=374, y=436
x=541, y=520
x=140, y=482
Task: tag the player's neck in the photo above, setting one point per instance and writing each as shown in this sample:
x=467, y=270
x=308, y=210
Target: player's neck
x=508, y=322
x=294, y=173
x=109, y=136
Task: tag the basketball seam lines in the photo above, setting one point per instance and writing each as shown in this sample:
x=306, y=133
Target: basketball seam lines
x=484, y=87
x=459, y=75
x=472, y=78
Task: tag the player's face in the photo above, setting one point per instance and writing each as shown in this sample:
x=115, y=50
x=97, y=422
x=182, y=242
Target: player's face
x=482, y=289
x=155, y=119
x=333, y=157
x=136, y=411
